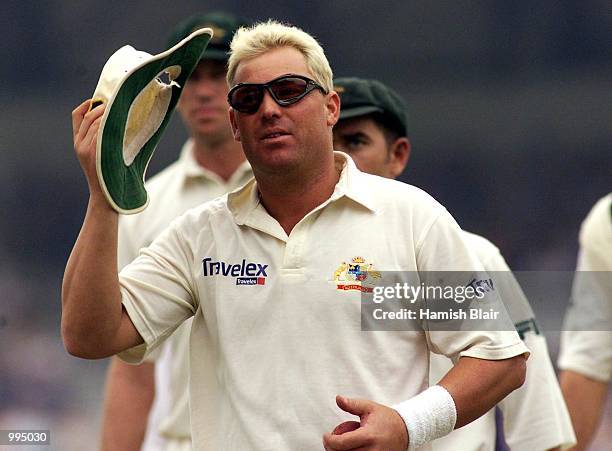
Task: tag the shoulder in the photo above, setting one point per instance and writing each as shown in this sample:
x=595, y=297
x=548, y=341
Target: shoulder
x=204, y=216
x=480, y=244
x=167, y=176
x=197, y=227
x=488, y=253
x=596, y=230
x=392, y=194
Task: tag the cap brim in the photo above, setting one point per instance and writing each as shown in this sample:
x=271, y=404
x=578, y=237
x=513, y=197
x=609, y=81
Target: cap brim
x=347, y=113
x=123, y=184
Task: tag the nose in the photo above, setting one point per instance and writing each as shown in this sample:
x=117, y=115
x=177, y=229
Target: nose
x=203, y=88
x=269, y=108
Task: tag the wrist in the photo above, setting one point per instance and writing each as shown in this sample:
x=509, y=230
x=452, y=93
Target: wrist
x=98, y=203
x=429, y=415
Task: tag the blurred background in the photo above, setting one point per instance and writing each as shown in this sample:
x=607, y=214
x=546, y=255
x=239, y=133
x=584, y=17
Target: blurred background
x=509, y=120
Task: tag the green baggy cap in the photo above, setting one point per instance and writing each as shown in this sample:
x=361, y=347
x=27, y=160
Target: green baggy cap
x=360, y=97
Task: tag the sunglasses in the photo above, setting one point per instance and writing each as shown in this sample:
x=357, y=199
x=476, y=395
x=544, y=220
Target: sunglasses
x=285, y=90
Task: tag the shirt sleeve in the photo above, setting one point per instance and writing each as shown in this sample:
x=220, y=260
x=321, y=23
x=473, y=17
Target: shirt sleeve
x=157, y=291
x=508, y=288
x=444, y=255
x=586, y=340
x=129, y=244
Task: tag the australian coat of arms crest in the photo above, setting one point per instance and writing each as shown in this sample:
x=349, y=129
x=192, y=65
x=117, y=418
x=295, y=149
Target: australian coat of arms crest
x=356, y=275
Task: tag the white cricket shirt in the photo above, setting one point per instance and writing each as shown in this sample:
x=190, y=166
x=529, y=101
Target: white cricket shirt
x=284, y=336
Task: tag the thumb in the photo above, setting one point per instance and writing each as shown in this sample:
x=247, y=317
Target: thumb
x=355, y=406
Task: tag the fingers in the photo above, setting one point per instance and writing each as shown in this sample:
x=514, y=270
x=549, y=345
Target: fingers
x=345, y=427
x=83, y=119
x=348, y=435
x=348, y=441
x=88, y=131
x=91, y=137
x=87, y=126
x=77, y=116
x=380, y=427
x=355, y=406
x=88, y=119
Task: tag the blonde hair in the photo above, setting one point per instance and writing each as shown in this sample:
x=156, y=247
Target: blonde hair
x=256, y=40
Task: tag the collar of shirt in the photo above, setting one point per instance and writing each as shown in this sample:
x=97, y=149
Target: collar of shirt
x=352, y=184
x=191, y=168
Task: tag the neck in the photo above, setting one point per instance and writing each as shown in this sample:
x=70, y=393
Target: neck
x=222, y=157
x=291, y=196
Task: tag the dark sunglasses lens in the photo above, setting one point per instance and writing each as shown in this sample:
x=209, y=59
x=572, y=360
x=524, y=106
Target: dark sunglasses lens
x=288, y=89
x=246, y=99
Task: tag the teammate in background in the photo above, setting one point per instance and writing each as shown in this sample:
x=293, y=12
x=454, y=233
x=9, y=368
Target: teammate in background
x=585, y=357
x=211, y=163
x=253, y=269
x=373, y=130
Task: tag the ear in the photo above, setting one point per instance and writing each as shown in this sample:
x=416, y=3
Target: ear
x=333, y=108
x=398, y=156
x=235, y=130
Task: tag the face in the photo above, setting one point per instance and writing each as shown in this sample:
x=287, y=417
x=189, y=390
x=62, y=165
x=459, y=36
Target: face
x=282, y=138
x=203, y=104
x=364, y=140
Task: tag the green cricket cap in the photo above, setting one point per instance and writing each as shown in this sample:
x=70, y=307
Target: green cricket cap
x=223, y=25
x=360, y=97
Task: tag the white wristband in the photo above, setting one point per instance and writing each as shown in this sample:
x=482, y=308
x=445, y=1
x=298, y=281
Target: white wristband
x=428, y=416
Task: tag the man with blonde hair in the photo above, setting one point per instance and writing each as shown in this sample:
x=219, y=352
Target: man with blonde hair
x=254, y=269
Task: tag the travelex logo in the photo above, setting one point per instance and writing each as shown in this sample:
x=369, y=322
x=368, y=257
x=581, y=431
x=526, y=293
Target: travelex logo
x=245, y=273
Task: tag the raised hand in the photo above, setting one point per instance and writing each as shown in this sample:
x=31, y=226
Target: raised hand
x=85, y=127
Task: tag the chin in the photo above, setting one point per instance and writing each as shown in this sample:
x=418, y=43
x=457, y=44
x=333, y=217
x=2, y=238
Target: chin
x=212, y=131
x=276, y=159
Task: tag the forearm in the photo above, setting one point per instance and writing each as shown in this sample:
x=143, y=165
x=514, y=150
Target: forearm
x=477, y=385
x=94, y=324
x=130, y=390
x=585, y=398
x=91, y=305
